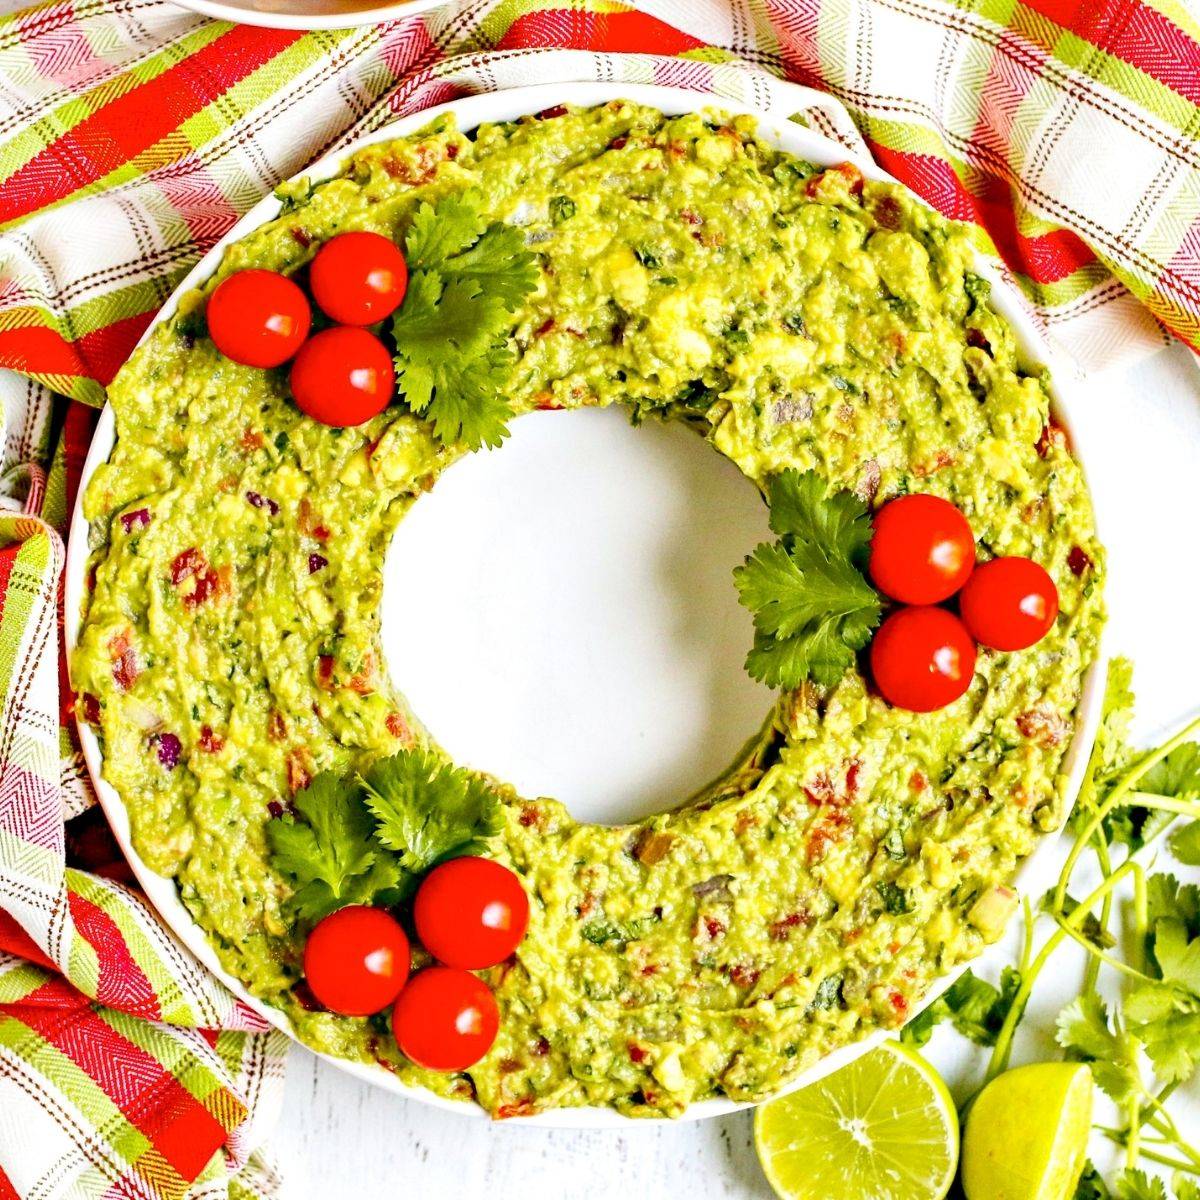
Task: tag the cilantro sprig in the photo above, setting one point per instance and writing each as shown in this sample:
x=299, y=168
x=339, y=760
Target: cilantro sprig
x=326, y=849
x=467, y=278
x=1147, y=1044
x=813, y=607
x=365, y=839
x=1133, y=1184
x=427, y=810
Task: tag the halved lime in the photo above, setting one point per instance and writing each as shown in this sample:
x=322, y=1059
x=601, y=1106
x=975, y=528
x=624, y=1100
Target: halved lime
x=1027, y=1133
x=882, y=1128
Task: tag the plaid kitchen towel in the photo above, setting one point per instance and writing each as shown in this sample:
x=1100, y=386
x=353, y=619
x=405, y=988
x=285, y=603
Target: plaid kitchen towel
x=125, y=1068
x=133, y=134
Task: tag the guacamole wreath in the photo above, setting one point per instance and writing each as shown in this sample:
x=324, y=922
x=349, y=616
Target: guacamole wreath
x=796, y=318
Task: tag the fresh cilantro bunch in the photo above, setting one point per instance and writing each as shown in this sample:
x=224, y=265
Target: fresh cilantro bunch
x=1145, y=1046
x=1129, y=801
x=365, y=839
x=466, y=279
x=813, y=607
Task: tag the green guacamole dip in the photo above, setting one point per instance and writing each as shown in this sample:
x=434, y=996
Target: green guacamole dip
x=795, y=318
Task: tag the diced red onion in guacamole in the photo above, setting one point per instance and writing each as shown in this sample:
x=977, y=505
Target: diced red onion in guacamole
x=139, y=517
x=169, y=749
x=263, y=502
x=317, y=562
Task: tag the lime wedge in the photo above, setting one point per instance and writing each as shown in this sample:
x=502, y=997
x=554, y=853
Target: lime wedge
x=882, y=1128
x=1027, y=1133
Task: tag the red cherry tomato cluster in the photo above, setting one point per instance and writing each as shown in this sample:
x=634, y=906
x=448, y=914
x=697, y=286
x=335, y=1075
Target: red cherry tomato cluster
x=470, y=913
x=922, y=553
x=343, y=375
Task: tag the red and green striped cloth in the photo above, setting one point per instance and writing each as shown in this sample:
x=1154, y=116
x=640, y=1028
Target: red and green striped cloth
x=133, y=134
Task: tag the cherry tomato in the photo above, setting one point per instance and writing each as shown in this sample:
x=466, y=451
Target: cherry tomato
x=471, y=912
x=446, y=1019
x=358, y=278
x=356, y=960
x=343, y=376
x=1009, y=603
x=922, y=658
x=258, y=318
x=922, y=550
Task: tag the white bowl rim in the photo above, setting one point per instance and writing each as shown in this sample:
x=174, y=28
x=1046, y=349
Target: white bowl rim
x=1035, y=873
x=350, y=19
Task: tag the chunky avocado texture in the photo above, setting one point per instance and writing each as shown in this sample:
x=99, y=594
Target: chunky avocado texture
x=794, y=317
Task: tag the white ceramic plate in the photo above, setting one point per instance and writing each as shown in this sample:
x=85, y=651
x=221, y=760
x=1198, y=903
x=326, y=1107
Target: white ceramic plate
x=307, y=14
x=1036, y=873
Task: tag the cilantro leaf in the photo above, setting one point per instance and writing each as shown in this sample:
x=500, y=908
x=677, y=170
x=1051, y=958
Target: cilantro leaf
x=450, y=368
x=823, y=652
x=468, y=322
x=455, y=241
x=452, y=355
x=438, y=233
x=975, y=1007
x=895, y=899
x=1168, y=1021
x=1083, y=1028
x=1132, y=1184
x=428, y=810
x=800, y=507
x=326, y=849
x=829, y=993
x=1134, y=825
x=1177, y=953
x=1176, y=775
x=1185, y=844
x=919, y=1030
x=1167, y=898
x=1091, y=1185
x=786, y=597
x=978, y=1009
x=1165, y=1013
x=498, y=262
x=778, y=662
x=466, y=406
x=771, y=585
x=1137, y=1185
x=813, y=607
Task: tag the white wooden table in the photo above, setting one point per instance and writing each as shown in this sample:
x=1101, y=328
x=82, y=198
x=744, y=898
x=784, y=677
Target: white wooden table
x=342, y=1140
